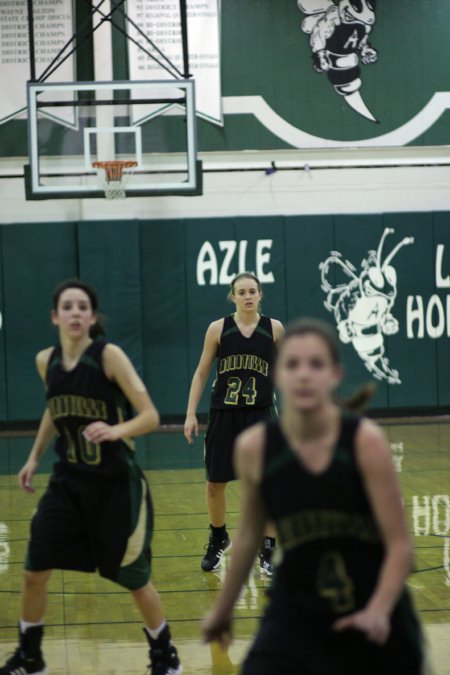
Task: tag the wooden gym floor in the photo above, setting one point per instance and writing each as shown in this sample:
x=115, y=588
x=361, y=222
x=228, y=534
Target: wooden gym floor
x=92, y=626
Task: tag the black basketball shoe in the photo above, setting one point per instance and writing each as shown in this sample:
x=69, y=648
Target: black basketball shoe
x=265, y=557
x=214, y=552
x=163, y=655
x=27, y=659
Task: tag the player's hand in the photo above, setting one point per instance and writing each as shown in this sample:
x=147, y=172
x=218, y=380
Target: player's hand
x=190, y=427
x=98, y=432
x=25, y=476
x=374, y=625
x=217, y=628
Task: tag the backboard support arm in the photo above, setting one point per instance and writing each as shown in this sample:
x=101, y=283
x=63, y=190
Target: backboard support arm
x=116, y=5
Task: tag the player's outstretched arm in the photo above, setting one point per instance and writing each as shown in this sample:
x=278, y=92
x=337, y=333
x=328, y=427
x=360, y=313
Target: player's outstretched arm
x=212, y=339
x=45, y=432
x=248, y=452
x=44, y=435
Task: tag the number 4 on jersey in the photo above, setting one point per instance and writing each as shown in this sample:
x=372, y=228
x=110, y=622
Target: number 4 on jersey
x=334, y=582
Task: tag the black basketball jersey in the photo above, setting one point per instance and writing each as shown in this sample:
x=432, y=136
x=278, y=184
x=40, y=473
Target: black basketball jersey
x=331, y=547
x=75, y=399
x=244, y=367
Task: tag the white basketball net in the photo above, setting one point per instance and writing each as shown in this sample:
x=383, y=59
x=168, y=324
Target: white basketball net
x=115, y=175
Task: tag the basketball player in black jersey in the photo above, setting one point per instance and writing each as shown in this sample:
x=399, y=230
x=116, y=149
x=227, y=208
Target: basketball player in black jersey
x=338, y=605
x=244, y=344
x=96, y=513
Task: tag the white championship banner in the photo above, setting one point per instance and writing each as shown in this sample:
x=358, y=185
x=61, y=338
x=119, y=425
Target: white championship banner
x=53, y=27
x=160, y=21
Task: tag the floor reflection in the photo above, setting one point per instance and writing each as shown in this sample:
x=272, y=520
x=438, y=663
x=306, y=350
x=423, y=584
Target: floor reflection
x=92, y=627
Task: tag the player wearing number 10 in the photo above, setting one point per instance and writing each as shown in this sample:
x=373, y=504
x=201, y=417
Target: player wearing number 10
x=244, y=345
x=96, y=513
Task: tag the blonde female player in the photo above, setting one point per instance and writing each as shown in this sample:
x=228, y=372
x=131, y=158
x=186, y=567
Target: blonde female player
x=244, y=344
x=339, y=604
x=96, y=512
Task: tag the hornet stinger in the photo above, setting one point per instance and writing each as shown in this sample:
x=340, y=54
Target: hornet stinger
x=339, y=40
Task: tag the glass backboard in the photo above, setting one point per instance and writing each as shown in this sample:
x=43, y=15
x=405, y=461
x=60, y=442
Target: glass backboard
x=72, y=126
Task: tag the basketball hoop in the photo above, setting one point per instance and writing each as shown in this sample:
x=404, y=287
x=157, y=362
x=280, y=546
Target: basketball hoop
x=114, y=176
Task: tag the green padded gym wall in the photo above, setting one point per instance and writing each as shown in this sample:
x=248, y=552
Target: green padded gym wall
x=36, y=257
x=441, y=236
x=109, y=259
x=161, y=283
x=164, y=314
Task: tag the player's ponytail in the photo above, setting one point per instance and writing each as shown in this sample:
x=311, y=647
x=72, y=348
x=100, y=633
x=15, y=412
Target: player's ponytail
x=97, y=331
x=359, y=401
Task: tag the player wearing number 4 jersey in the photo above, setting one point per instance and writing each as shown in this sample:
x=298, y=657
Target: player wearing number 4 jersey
x=244, y=345
x=339, y=605
x=96, y=513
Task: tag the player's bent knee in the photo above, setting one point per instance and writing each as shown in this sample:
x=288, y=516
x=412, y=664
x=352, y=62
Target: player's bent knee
x=36, y=579
x=147, y=592
x=135, y=576
x=142, y=589
x=216, y=489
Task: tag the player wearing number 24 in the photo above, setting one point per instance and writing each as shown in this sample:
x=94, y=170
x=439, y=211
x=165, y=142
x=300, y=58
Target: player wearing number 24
x=96, y=513
x=324, y=475
x=244, y=346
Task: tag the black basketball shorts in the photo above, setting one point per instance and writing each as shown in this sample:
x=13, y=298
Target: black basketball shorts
x=87, y=523
x=306, y=646
x=223, y=428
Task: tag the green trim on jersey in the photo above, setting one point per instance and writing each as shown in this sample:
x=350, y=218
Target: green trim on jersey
x=278, y=462
x=137, y=573
x=260, y=330
x=233, y=329
x=89, y=361
x=84, y=358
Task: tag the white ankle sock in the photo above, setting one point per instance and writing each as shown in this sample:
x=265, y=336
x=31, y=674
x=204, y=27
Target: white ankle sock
x=156, y=632
x=26, y=624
